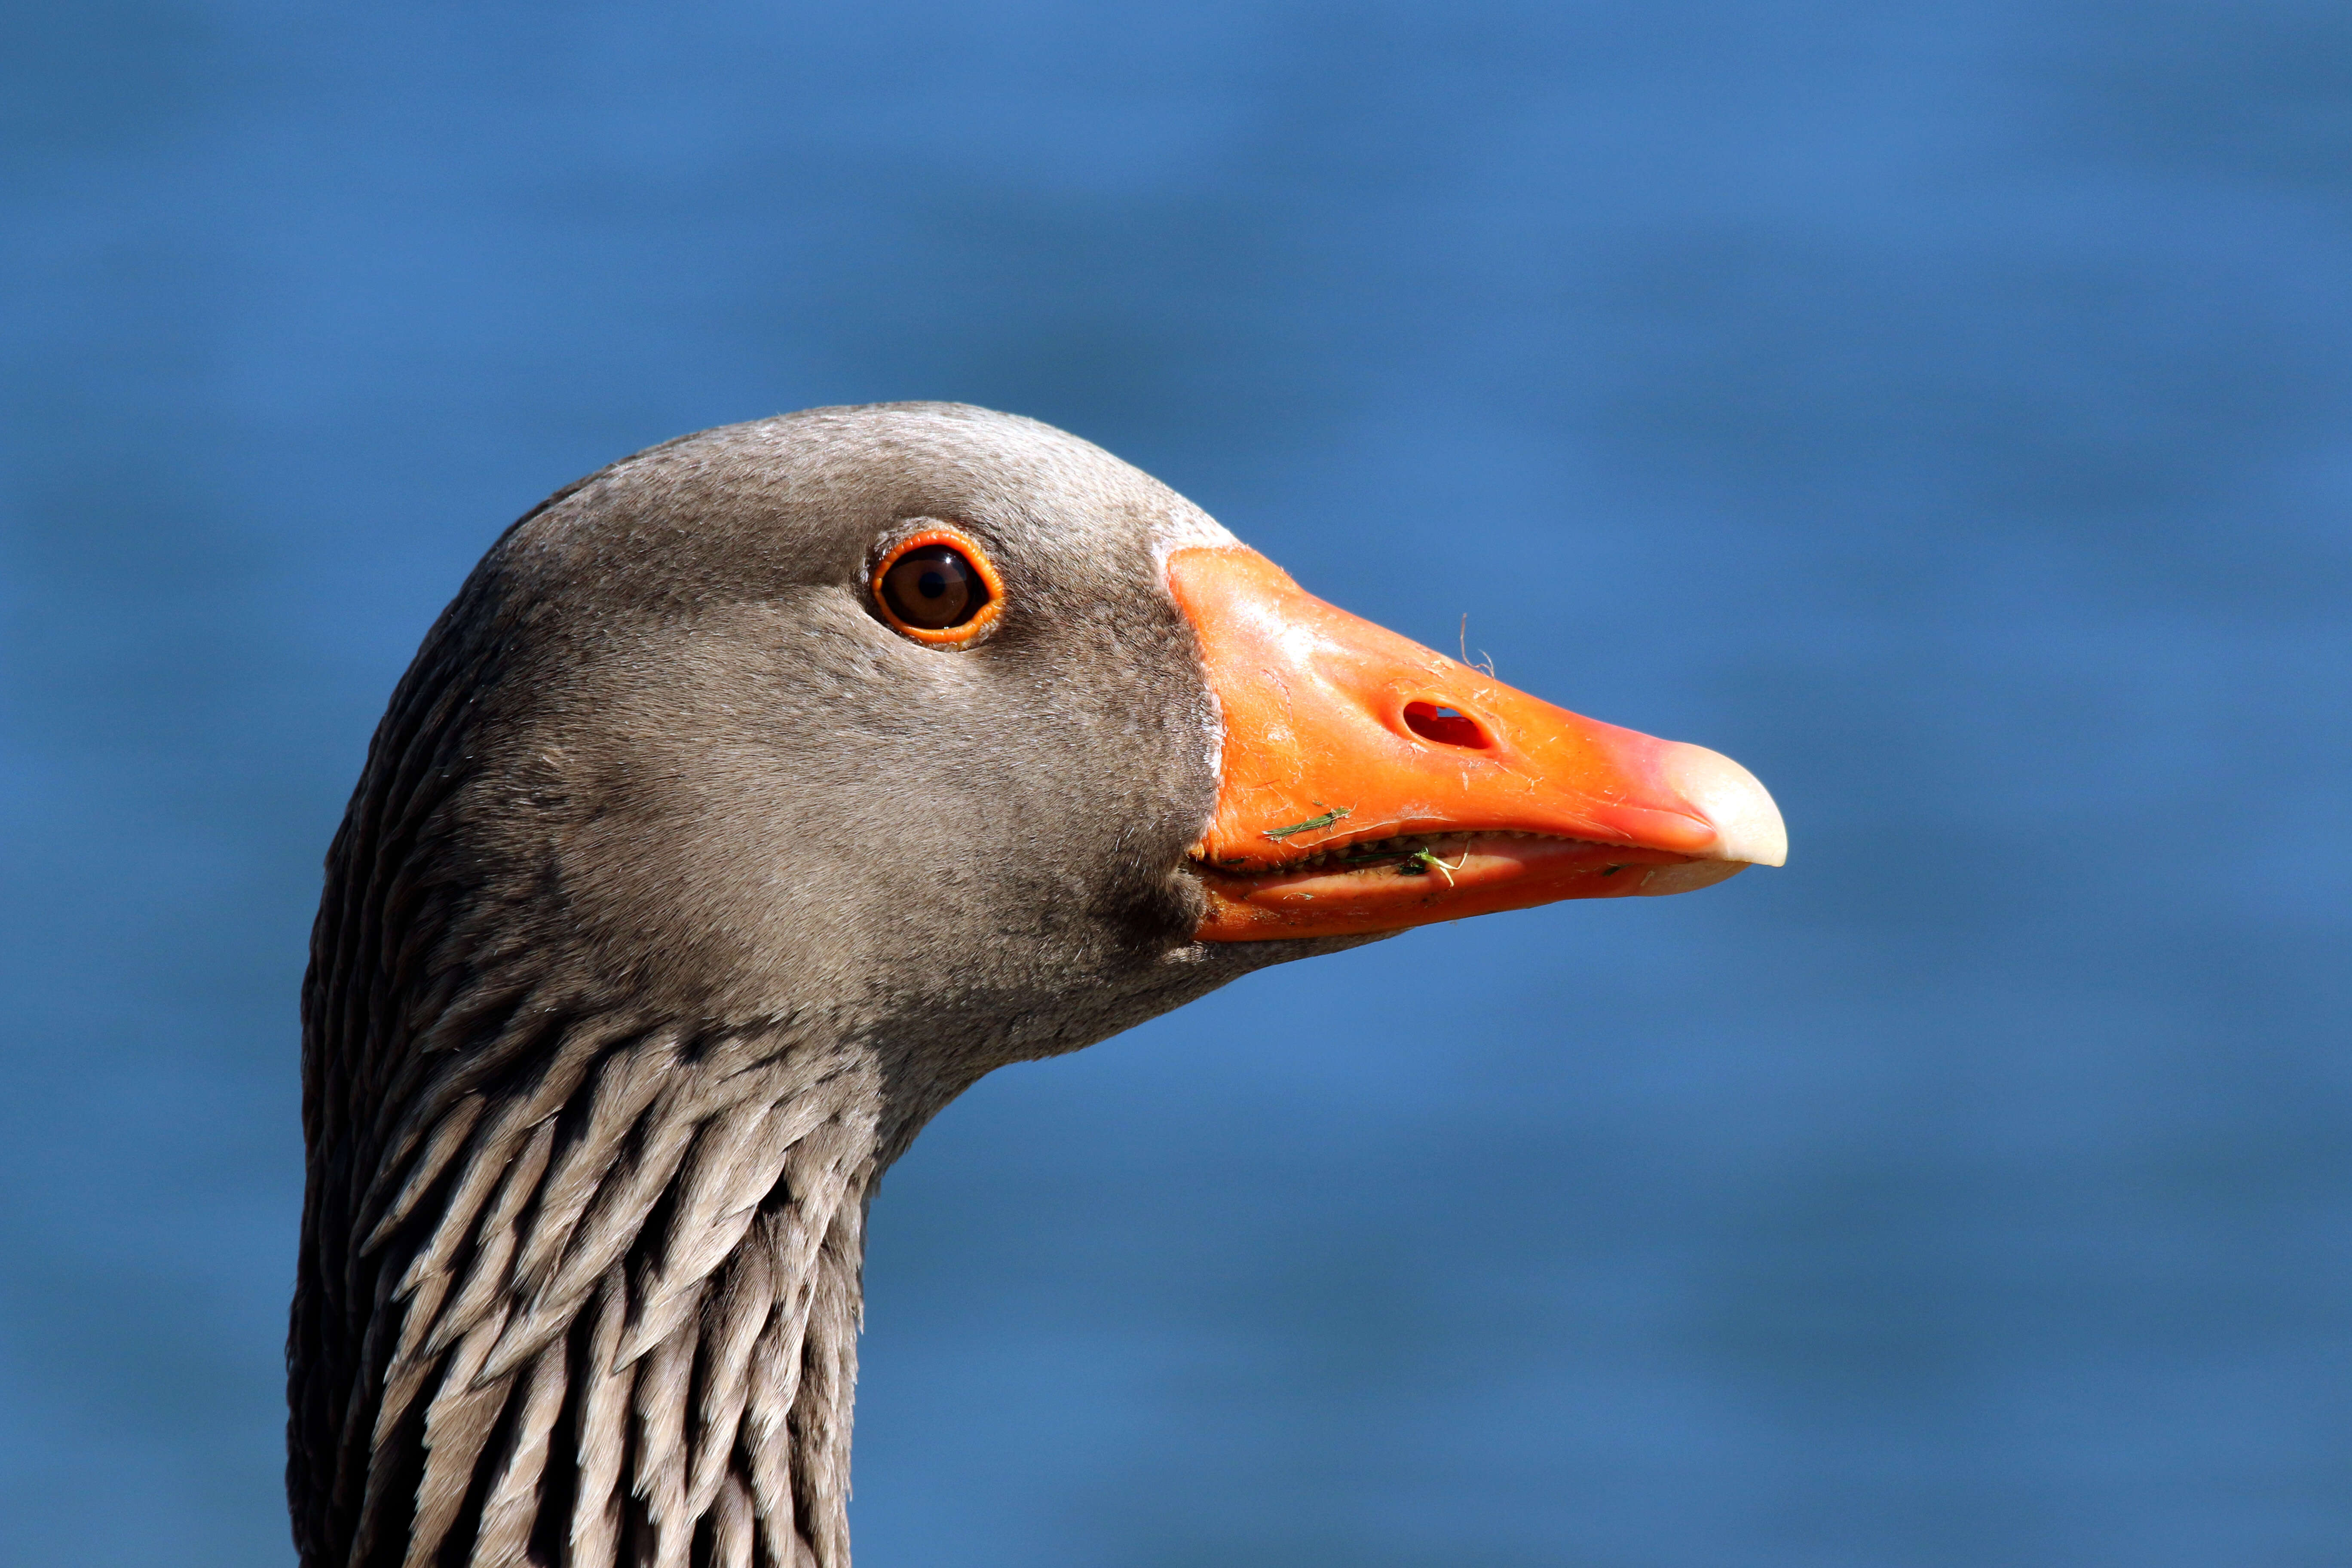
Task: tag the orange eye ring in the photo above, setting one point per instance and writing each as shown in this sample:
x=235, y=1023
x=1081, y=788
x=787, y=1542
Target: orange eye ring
x=959, y=545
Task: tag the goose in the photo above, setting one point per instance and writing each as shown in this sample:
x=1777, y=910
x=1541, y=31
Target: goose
x=754, y=797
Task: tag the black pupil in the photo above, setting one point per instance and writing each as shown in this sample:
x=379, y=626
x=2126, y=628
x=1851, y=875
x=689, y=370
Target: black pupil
x=933, y=588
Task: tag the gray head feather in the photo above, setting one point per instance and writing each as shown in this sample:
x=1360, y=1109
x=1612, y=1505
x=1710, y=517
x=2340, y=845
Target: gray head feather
x=678, y=893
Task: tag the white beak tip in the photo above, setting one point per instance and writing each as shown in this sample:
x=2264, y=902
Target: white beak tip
x=1748, y=825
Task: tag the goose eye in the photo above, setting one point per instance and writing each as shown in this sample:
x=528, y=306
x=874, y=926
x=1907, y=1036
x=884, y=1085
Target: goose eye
x=938, y=588
x=934, y=588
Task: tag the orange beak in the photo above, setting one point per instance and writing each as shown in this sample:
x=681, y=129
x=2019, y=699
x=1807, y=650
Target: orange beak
x=1368, y=784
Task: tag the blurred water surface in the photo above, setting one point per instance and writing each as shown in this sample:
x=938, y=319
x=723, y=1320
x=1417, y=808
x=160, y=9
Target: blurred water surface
x=1942, y=408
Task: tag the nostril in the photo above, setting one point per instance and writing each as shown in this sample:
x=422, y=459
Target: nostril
x=1447, y=726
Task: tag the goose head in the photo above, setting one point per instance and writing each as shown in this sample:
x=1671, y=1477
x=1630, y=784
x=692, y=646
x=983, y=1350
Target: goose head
x=755, y=797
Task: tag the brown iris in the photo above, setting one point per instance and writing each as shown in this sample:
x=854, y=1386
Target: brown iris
x=933, y=588
x=938, y=587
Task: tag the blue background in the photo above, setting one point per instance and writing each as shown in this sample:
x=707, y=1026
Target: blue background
x=1940, y=407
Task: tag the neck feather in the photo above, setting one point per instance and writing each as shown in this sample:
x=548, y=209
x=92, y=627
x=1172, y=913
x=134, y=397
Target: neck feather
x=579, y=1280
x=602, y=1310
